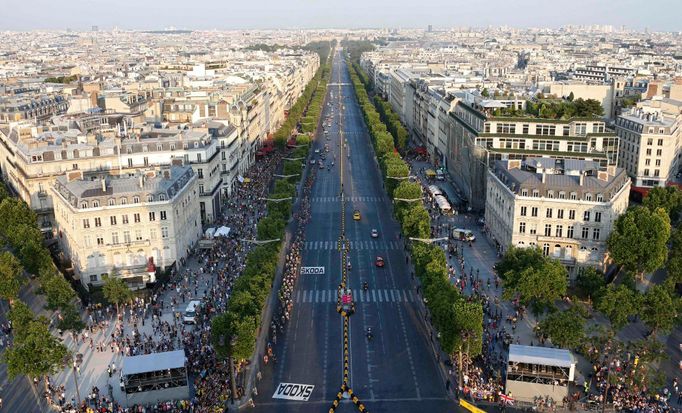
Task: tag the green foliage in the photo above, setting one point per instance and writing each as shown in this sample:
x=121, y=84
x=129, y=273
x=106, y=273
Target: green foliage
x=557, y=109
x=674, y=264
x=36, y=354
x=638, y=240
x=660, y=309
x=590, y=284
x=485, y=92
x=20, y=315
x=264, y=47
x=618, y=303
x=115, y=290
x=532, y=277
x=58, y=291
x=70, y=320
x=566, y=329
x=11, y=276
x=469, y=327
x=416, y=222
x=61, y=79
x=669, y=198
x=355, y=48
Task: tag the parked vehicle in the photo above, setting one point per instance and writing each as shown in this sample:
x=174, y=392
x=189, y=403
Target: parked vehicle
x=463, y=234
x=189, y=317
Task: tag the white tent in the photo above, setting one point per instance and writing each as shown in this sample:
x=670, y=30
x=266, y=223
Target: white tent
x=210, y=232
x=222, y=232
x=434, y=190
x=443, y=203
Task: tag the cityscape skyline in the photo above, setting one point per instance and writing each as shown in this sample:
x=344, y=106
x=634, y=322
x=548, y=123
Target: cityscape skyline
x=312, y=14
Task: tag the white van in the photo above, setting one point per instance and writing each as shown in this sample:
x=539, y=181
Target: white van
x=189, y=317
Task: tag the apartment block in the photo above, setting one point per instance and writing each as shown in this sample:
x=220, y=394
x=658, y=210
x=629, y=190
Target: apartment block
x=565, y=207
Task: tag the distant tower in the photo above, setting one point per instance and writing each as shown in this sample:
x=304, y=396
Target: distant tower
x=430, y=29
x=95, y=28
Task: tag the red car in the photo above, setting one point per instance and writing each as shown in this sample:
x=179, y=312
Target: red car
x=379, y=262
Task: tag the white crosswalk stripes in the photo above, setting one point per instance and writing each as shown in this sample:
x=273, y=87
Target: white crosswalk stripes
x=377, y=295
x=366, y=245
x=329, y=199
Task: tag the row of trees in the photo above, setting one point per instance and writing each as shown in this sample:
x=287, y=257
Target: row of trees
x=459, y=321
x=557, y=109
x=234, y=332
x=309, y=105
x=34, y=351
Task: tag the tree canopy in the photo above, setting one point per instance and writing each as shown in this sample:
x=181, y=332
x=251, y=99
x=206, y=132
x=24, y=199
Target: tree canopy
x=11, y=276
x=669, y=198
x=660, y=309
x=566, y=329
x=638, y=240
x=618, y=303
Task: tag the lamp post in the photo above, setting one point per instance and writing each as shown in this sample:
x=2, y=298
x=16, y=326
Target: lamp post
x=276, y=199
x=230, y=362
x=285, y=176
x=259, y=242
x=407, y=200
x=429, y=240
x=401, y=177
x=75, y=379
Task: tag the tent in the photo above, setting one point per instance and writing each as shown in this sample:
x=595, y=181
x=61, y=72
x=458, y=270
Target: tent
x=443, y=203
x=210, y=232
x=222, y=232
x=434, y=190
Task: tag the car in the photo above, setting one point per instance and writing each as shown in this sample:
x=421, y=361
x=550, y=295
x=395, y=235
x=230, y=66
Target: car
x=313, y=161
x=321, y=165
x=379, y=262
x=317, y=151
x=356, y=215
x=375, y=233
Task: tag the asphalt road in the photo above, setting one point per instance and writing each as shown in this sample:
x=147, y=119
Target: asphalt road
x=396, y=371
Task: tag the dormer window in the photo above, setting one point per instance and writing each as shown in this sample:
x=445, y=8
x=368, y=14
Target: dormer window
x=112, y=202
x=550, y=194
x=588, y=197
x=196, y=144
x=136, y=200
x=524, y=192
x=84, y=204
x=95, y=204
x=150, y=198
x=162, y=197
x=562, y=195
x=536, y=193
x=574, y=196
x=600, y=198
x=159, y=147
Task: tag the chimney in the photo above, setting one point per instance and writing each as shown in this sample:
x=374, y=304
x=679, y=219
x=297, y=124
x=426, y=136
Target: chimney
x=582, y=178
x=166, y=174
x=104, y=184
x=141, y=181
x=544, y=178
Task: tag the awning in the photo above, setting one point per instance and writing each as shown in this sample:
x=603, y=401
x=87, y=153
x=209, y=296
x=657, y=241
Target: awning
x=246, y=180
x=430, y=172
x=153, y=362
x=222, y=232
x=443, y=203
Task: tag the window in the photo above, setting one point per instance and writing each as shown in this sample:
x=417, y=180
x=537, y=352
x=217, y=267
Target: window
x=524, y=192
x=114, y=238
x=569, y=231
x=524, y=210
x=522, y=228
x=93, y=278
x=200, y=173
x=595, y=234
x=649, y=142
x=597, y=217
x=658, y=162
x=201, y=189
x=559, y=232
x=550, y=194
x=152, y=234
x=162, y=215
x=136, y=200
x=138, y=235
x=164, y=232
x=525, y=129
x=130, y=162
x=98, y=222
x=545, y=130
x=124, y=219
x=86, y=223
x=84, y=205
x=100, y=240
x=545, y=249
x=600, y=198
x=657, y=172
x=162, y=197
x=112, y=219
x=199, y=158
x=574, y=196
x=123, y=201
x=95, y=204
x=136, y=218
x=152, y=216
x=87, y=241
x=126, y=237
x=585, y=232
x=647, y=162
x=562, y=195
x=567, y=130
x=534, y=211
x=586, y=216
x=548, y=230
x=150, y=198
x=581, y=129
x=536, y=193
x=146, y=161
x=560, y=213
x=532, y=229
x=571, y=214
x=646, y=172
x=549, y=213
x=588, y=197
x=112, y=202
x=659, y=152
x=648, y=152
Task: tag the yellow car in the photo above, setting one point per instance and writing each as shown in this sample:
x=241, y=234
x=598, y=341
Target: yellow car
x=356, y=215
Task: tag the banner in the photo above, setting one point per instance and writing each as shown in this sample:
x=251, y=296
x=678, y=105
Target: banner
x=293, y=391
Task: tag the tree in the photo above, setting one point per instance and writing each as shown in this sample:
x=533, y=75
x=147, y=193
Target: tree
x=36, y=354
x=416, y=222
x=674, y=264
x=468, y=330
x=542, y=281
x=618, y=303
x=58, y=291
x=566, y=329
x=70, y=319
x=485, y=92
x=21, y=316
x=571, y=97
x=638, y=240
x=116, y=291
x=11, y=276
x=590, y=283
x=660, y=310
x=669, y=198
x=518, y=259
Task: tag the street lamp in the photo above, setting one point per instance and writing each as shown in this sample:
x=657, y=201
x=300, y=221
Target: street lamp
x=294, y=159
x=285, y=176
x=429, y=240
x=407, y=200
x=401, y=177
x=75, y=379
x=259, y=242
x=233, y=384
x=276, y=199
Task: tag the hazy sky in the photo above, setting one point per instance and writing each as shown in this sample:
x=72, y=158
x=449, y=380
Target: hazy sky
x=664, y=15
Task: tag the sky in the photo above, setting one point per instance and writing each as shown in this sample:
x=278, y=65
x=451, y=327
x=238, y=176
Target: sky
x=656, y=15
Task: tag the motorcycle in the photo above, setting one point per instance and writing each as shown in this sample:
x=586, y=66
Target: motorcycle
x=365, y=286
x=369, y=334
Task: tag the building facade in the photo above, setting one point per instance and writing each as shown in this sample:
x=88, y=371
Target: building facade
x=565, y=207
x=120, y=224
